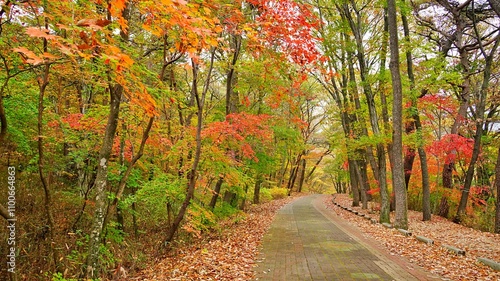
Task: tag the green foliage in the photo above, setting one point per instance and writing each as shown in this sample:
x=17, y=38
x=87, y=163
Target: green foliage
x=225, y=210
x=114, y=233
x=199, y=220
x=58, y=276
x=21, y=111
x=265, y=195
x=277, y=192
x=153, y=196
x=107, y=258
x=78, y=255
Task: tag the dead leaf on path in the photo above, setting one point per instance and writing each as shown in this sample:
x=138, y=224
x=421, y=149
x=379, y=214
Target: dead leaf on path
x=432, y=257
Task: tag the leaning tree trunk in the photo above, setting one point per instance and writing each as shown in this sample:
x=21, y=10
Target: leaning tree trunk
x=401, y=220
x=123, y=181
x=311, y=172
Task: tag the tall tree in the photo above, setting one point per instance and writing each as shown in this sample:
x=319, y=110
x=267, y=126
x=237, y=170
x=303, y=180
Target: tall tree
x=479, y=111
x=401, y=220
x=115, y=89
x=192, y=175
x=353, y=14
x=413, y=124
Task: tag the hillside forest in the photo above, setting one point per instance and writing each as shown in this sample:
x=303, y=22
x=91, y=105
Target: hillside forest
x=130, y=126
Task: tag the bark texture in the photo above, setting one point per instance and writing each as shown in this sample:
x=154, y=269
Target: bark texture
x=100, y=184
x=401, y=220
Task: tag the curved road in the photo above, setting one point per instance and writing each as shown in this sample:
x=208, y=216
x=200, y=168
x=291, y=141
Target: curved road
x=308, y=242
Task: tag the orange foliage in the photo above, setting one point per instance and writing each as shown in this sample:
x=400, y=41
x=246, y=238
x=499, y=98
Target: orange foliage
x=289, y=25
x=240, y=130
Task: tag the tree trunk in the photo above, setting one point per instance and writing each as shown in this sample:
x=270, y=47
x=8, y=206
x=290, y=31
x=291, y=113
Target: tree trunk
x=410, y=153
x=123, y=181
x=426, y=192
x=383, y=84
x=244, y=200
x=294, y=172
x=43, y=81
x=3, y=116
x=216, y=191
x=379, y=171
x=497, y=185
x=362, y=180
x=479, y=128
x=256, y=189
x=401, y=220
x=495, y=4
x=464, y=97
x=100, y=184
x=3, y=122
x=284, y=167
x=309, y=175
x=416, y=125
x=291, y=180
x=200, y=101
x=354, y=182
x=232, y=97
x=302, y=175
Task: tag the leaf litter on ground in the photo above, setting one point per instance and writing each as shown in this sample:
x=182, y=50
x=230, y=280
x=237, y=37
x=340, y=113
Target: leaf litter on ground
x=228, y=254
x=231, y=253
x=433, y=258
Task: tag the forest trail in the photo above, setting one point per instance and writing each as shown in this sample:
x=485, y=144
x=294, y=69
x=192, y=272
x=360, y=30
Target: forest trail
x=306, y=241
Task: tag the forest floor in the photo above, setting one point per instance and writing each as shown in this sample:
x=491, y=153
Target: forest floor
x=230, y=253
x=226, y=254
x=433, y=258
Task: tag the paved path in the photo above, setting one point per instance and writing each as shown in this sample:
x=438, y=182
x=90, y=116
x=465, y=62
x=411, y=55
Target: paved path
x=308, y=242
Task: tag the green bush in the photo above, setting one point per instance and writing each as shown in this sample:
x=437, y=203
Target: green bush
x=225, y=210
x=154, y=195
x=265, y=195
x=278, y=193
x=199, y=220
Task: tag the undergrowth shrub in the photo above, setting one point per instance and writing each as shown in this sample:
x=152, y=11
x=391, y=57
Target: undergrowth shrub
x=480, y=211
x=225, y=210
x=198, y=220
x=278, y=193
x=265, y=195
x=153, y=197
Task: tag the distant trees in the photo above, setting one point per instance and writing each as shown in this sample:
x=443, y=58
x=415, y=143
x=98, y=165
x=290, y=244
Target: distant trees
x=444, y=62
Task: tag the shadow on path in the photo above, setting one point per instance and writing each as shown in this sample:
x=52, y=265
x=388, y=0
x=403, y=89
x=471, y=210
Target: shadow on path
x=308, y=242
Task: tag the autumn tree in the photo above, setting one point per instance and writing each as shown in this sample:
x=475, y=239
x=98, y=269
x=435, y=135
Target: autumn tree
x=415, y=126
x=480, y=105
x=401, y=220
